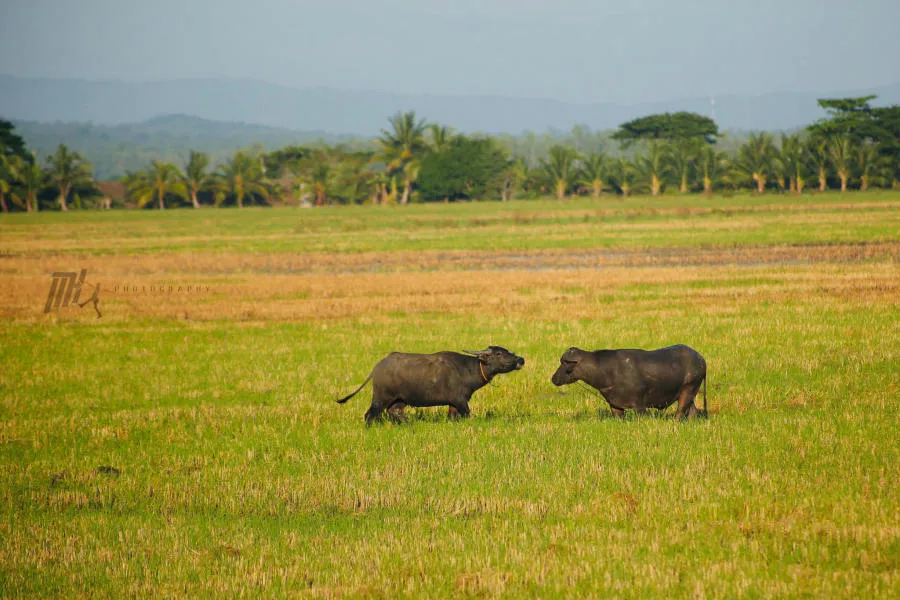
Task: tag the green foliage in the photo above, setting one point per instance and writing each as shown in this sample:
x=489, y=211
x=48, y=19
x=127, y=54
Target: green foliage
x=870, y=167
x=11, y=143
x=196, y=177
x=756, y=160
x=277, y=162
x=848, y=117
x=795, y=161
x=659, y=151
x=713, y=168
x=683, y=155
x=403, y=144
x=162, y=180
x=559, y=171
x=465, y=169
x=7, y=177
x=623, y=175
x=404, y=141
x=439, y=137
x=668, y=126
x=840, y=154
x=595, y=168
x=241, y=179
x=855, y=120
x=842, y=106
x=68, y=171
x=654, y=166
x=29, y=178
x=333, y=175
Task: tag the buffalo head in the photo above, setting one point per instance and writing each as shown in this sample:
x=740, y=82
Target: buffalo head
x=498, y=360
x=568, y=368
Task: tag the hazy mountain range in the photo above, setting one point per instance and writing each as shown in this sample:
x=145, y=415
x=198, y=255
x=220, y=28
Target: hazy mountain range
x=121, y=127
x=364, y=113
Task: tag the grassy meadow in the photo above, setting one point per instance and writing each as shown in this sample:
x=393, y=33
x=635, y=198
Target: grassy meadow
x=187, y=442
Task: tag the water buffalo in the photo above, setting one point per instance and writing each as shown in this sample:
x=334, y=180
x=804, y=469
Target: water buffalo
x=638, y=379
x=440, y=379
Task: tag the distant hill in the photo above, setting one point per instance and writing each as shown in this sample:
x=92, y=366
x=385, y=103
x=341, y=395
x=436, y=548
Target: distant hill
x=365, y=113
x=115, y=149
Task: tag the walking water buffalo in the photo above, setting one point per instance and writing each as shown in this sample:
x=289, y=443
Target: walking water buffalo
x=440, y=379
x=638, y=379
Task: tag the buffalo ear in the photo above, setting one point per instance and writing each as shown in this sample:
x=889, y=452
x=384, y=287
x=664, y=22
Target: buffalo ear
x=570, y=357
x=481, y=354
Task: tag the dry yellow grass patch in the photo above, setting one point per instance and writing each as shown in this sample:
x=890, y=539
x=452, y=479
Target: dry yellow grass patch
x=546, y=294
x=122, y=267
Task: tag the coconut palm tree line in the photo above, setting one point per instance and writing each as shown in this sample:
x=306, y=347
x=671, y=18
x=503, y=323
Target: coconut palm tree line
x=821, y=157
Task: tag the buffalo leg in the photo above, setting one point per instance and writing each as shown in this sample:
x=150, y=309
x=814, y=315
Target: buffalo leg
x=686, y=395
x=379, y=403
x=373, y=413
x=617, y=412
x=461, y=407
x=395, y=412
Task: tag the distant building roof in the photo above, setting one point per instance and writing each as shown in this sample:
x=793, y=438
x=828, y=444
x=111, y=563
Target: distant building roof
x=114, y=189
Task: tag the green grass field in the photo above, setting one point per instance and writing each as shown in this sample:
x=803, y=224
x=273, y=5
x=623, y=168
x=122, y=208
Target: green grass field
x=187, y=443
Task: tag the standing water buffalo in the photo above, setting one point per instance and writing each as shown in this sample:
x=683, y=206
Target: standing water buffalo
x=439, y=379
x=638, y=379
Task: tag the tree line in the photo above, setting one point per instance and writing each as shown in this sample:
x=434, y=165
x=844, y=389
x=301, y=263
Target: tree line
x=855, y=146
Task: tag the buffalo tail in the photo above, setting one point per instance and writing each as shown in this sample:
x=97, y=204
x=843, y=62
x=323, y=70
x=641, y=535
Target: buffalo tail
x=345, y=398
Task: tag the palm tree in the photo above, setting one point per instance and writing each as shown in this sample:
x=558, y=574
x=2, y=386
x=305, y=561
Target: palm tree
x=30, y=178
x=410, y=175
x=654, y=166
x=512, y=179
x=195, y=177
x=755, y=159
x=334, y=174
x=560, y=169
x=318, y=175
x=794, y=157
x=683, y=156
x=713, y=165
x=817, y=147
x=381, y=183
x=840, y=151
x=391, y=196
x=68, y=170
x=870, y=164
x=593, y=173
x=242, y=178
x=622, y=174
x=7, y=177
x=439, y=137
x=405, y=142
x=155, y=183
x=356, y=178
x=780, y=169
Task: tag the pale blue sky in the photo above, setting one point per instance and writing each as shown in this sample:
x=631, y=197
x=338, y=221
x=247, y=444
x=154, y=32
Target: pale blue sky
x=574, y=50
